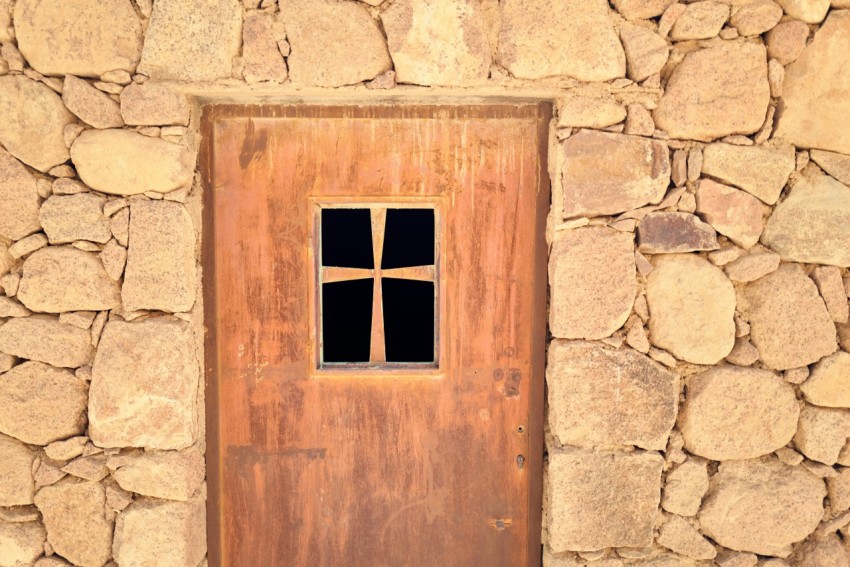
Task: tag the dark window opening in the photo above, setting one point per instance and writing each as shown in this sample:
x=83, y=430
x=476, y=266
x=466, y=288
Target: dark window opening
x=408, y=320
x=409, y=239
x=347, y=238
x=346, y=320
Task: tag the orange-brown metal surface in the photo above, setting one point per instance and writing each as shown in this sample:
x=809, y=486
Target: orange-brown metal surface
x=388, y=466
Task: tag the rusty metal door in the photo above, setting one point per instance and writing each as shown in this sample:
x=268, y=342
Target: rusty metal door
x=378, y=464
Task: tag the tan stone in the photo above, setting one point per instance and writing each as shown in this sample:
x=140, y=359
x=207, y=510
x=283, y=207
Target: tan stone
x=743, y=353
x=822, y=433
x=679, y=536
x=829, y=382
x=600, y=500
x=147, y=528
x=7, y=32
x=756, y=17
x=114, y=258
x=813, y=223
x=52, y=561
x=674, y=232
x=173, y=475
x=192, y=40
x=646, y=51
x=92, y=467
x=752, y=266
x=831, y=288
x=715, y=92
x=593, y=286
x=155, y=360
x=27, y=245
x=119, y=226
x=639, y=121
x=787, y=40
x=691, y=305
x=92, y=106
x=262, y=60
x=602, y=397
x=829, y=551
x=86, y=38
x=700, y=20
x=33, y=124
x=809, y=11
x=837, y=165
x=152, y=104
x=19, y=195
x=11, y=308
x=160, y=271
x=732, y=213
x=641, y=9
x=66, y=449
x=438, y=42
x=45, y=339
x=636, y=171
x=333, y=43
x=839, y=491
x=67, y=218
x=21, y=543
x=74, y=515
x=586, y=110
x=16, y=484
x=121, y=162
x=816, y=102
x=637, y=338
x=757, y=170
x=684, y=488
x=587, y=47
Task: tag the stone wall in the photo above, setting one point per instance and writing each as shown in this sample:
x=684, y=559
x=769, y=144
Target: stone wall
x=699, y=373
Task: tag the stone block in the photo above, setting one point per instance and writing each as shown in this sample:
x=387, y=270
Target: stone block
x=829, y=382
x=152, y=104
x=261, y=58
x=21, y=543
x=92, y=106
x=165, y=534
x=172, y=475
x=16, y=484
x=577, y=109
x=45, y=339
x=67, y=218
x=730, y=212
x=19, y=195
x=646, y=51
x=700, y=20
x=684, y=488
x=641, y=9
x=679, y=536
x=822, y=433
x=675, y=232
x=756, y=17
x=758, y=170
x=787, y=40
x=809, y=11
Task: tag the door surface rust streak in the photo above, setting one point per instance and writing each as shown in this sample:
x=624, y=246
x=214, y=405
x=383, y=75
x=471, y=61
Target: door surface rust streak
x=390, y=466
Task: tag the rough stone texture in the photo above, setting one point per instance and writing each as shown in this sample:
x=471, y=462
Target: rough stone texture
x=27, y=245
x=173, y=475
x=760, y=171
x=592, y=271
x=839, y=491
x=58, y=279
x=756, y=17
x=67, y=218
x=192, y=40
x=700, y=20
x=663, y=233
x=692, y=308
x=7, y=32
x=600, y=500
x=752, y=266
x=92, y=106
x=45, y=339
x=732, y=213
x=829, y=551
x=809, y=11
x=19, y=195
x=837, y=165
x=589, y=110
x=86, y=38
x=603, y=397
x=151, y=104
x=160, y=270
x=641, y=9
x=822, y=433
x=261, y=57
x=67, y=449
x=165, y=534
x=787, y=40
x=715, y=92
x=21, y=543
x=684, y=488
x=323, y=34
x=789, y=323
x=646, y=51
x=587, y=47
x=679, y=536
x=33, y=124
x=152, y=360
x=42, y=404
x=733, y=413
x=16, y=484
x=636, y=171
x=437, y=42
x=762, y=506
x=829, y=382
x=831, y=288
x=126, y=163
x=816, y=100
x=74, y=515
x=114, y=258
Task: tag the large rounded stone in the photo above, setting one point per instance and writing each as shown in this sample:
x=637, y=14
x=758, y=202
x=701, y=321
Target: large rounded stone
x=829, y=383
x=33, y=122
x=42, y=404
x=16, y=484
x=86, y=38
x=19, y=195
x=809, y=11
x=762, y=506
x=732, y=412
x=692, y=308
x=44, y=338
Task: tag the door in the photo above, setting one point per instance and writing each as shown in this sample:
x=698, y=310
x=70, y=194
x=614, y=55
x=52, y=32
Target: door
x=375, y=307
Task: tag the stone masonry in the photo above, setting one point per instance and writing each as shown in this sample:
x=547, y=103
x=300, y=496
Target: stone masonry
x=698, y=377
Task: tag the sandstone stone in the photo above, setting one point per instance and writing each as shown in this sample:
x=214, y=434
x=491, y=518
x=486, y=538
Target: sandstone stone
x=685, y=487
x=646, y=51
x=61, y=278
x=831, y=288
x=813, y=223
x=119, y=226
x=757, y=170
x=19, y=514
x=173, y=475
x=822, y=433
x=641, y=9
x=587, y=48
x=669, y=17
x=700, y=20
x=45, y=339
x=752, y=266
x=67, y=449
x=437, y=43
x=114, y=258
x=77, y=527
x=829, y=382
x=635, y=172
x=715, y=92
x=160, y=271
x=787, y=40
x=603, y=397
x=732, y=213
x=27, y=245
x=837, y=165
x=838, y=488
x=743, y=353
x=80, y=319
x=261, y=58
x=691, y=305
x=333, y=43
x=639, y=121
x=21, y=543
x=756, y=17
x=91, y=468
x=19, y=195
x=152, y=359
x=809, y=11
x=828, y=551
x=816, y=100
x=117, y=498
x=67, y=218
x=679, y=536
x=148, y=528
x=733, y=413
x=47, y=474
x=33, y=124
x=152, y=104
x=192, y=40
x=11, y=308
x=776, y=79
x=7, y=32
x=16, y=484
x=580, y=110
x=592, y=271
x=762, y=506
x=90, y=105
x=53, y=561
x=663, y=232
x=637, y=339
x=121, y=162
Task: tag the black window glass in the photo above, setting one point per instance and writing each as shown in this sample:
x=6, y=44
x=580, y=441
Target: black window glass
x=409, y=238
x=347, y=320
x=408, y=320
x=347, y=238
